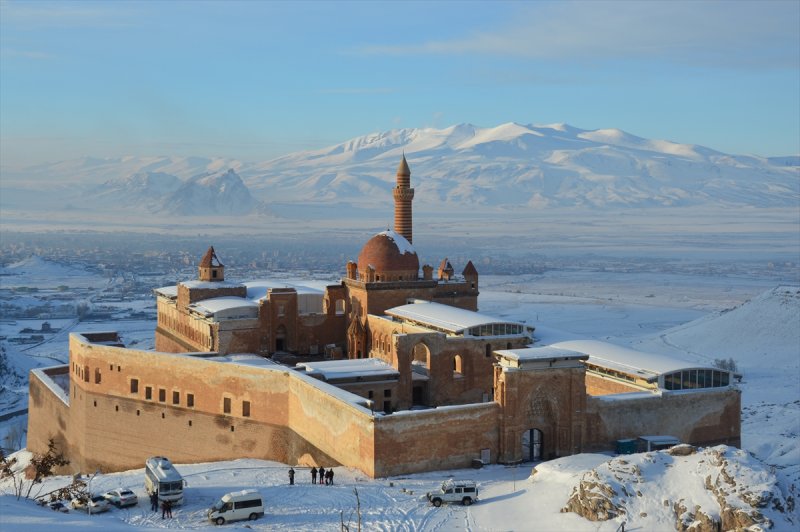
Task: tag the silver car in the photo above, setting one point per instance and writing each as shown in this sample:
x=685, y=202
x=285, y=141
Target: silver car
x=95, y=505
x=122, y=497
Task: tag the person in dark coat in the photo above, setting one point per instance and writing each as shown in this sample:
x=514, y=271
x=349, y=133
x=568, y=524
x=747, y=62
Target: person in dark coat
x=321, y=475
x=329, y=477
x=154, y=501
x=313, y=475
x=169, y=509
x=163, y=509
x=291, y=476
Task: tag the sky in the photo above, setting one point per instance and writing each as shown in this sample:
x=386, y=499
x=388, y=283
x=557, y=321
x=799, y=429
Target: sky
x=254, y=80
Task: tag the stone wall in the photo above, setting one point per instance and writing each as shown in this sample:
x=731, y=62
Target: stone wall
x=429, y=440
x=708, y=417
x=49, y=417
x=111, y=427
x=597, y=385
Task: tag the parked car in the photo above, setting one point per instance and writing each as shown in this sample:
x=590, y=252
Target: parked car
x=463, y=491
x=122, y=497
x=95, y=505
x=58, y=506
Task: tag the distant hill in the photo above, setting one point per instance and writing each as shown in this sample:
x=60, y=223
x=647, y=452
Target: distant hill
x=764, y=330
x=220, y=193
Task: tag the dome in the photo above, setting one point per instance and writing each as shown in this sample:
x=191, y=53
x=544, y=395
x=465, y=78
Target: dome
x=391, y=256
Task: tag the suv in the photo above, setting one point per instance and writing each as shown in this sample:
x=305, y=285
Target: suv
x=463, y=491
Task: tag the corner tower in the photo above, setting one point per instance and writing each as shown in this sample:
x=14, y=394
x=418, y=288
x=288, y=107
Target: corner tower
x=403, y=195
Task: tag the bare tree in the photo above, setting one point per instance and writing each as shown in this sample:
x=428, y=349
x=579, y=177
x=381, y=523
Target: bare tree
x=41, y=466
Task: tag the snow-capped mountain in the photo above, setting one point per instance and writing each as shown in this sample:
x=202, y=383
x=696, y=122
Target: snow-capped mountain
x=220, y=193
x=509, y=166
x=535, y=166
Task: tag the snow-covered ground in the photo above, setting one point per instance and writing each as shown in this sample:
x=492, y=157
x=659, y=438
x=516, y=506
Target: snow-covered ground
x=681, y=315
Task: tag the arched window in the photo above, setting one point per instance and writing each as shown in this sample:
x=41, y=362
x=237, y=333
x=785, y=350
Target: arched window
x=458, y=368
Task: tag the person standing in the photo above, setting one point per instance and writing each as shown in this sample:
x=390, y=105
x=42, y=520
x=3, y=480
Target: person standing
x=313, y=475
x=291, y=476
x=321, y=475
x=163, y=509
x=330, y=475
x=154, y=501
x=169, y=509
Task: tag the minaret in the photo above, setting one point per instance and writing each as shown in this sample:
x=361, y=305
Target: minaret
x=403, y=194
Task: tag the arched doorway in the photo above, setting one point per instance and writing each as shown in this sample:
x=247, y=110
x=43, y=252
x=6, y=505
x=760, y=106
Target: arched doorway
x=532, y=440
x=420, y=370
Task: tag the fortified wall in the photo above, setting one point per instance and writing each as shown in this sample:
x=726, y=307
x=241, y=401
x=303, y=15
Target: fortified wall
x=124, y=405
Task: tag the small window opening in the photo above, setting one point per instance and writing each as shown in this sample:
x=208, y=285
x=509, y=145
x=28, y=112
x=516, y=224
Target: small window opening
x=226, y=405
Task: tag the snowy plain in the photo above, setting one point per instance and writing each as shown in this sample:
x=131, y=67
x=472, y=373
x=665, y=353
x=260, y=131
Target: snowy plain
x=682, y=315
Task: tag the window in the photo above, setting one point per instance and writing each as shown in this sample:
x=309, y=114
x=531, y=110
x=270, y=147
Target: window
x=176, y=398
x=370, y=394
x=148, y=392
x=245, y=408
x=162, y=395
x=387, y=393
x=97, y=375
x=86, y=374
x=134, y=385
x=488, y=350
x=214, y=274
x=387, y=407
x=226, y=405
x=458, y=368
x=281, y=309
x=190, y=400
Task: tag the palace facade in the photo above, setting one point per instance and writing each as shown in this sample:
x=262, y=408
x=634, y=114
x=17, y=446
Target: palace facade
x=400, y=373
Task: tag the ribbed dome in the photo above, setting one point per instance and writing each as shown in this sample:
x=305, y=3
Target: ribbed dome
x=391, y=256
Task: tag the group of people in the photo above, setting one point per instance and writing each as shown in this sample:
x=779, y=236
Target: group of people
x=166, y=506
x=325, y=476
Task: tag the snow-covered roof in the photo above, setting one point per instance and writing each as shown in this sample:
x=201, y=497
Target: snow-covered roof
x=217, y=304
x=338, y=370
x=167, y=291
x=540, y=353
x=257, y=290
x=210, y=284
x=647, y=365
x=443, y=317
x=403, y=245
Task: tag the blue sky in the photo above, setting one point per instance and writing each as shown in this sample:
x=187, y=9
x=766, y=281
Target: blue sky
x=255, y=80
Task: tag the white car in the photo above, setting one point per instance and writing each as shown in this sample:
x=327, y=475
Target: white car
x=122, y=497
x=463, y=491
x=95, y=505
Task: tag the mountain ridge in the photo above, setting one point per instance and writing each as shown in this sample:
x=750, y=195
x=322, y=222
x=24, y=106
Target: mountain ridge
x=509, y=166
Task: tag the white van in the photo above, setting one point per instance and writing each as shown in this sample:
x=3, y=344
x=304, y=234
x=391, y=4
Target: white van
x=236, y=506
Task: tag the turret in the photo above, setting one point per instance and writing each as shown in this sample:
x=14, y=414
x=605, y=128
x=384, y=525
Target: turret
x=210, y=268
